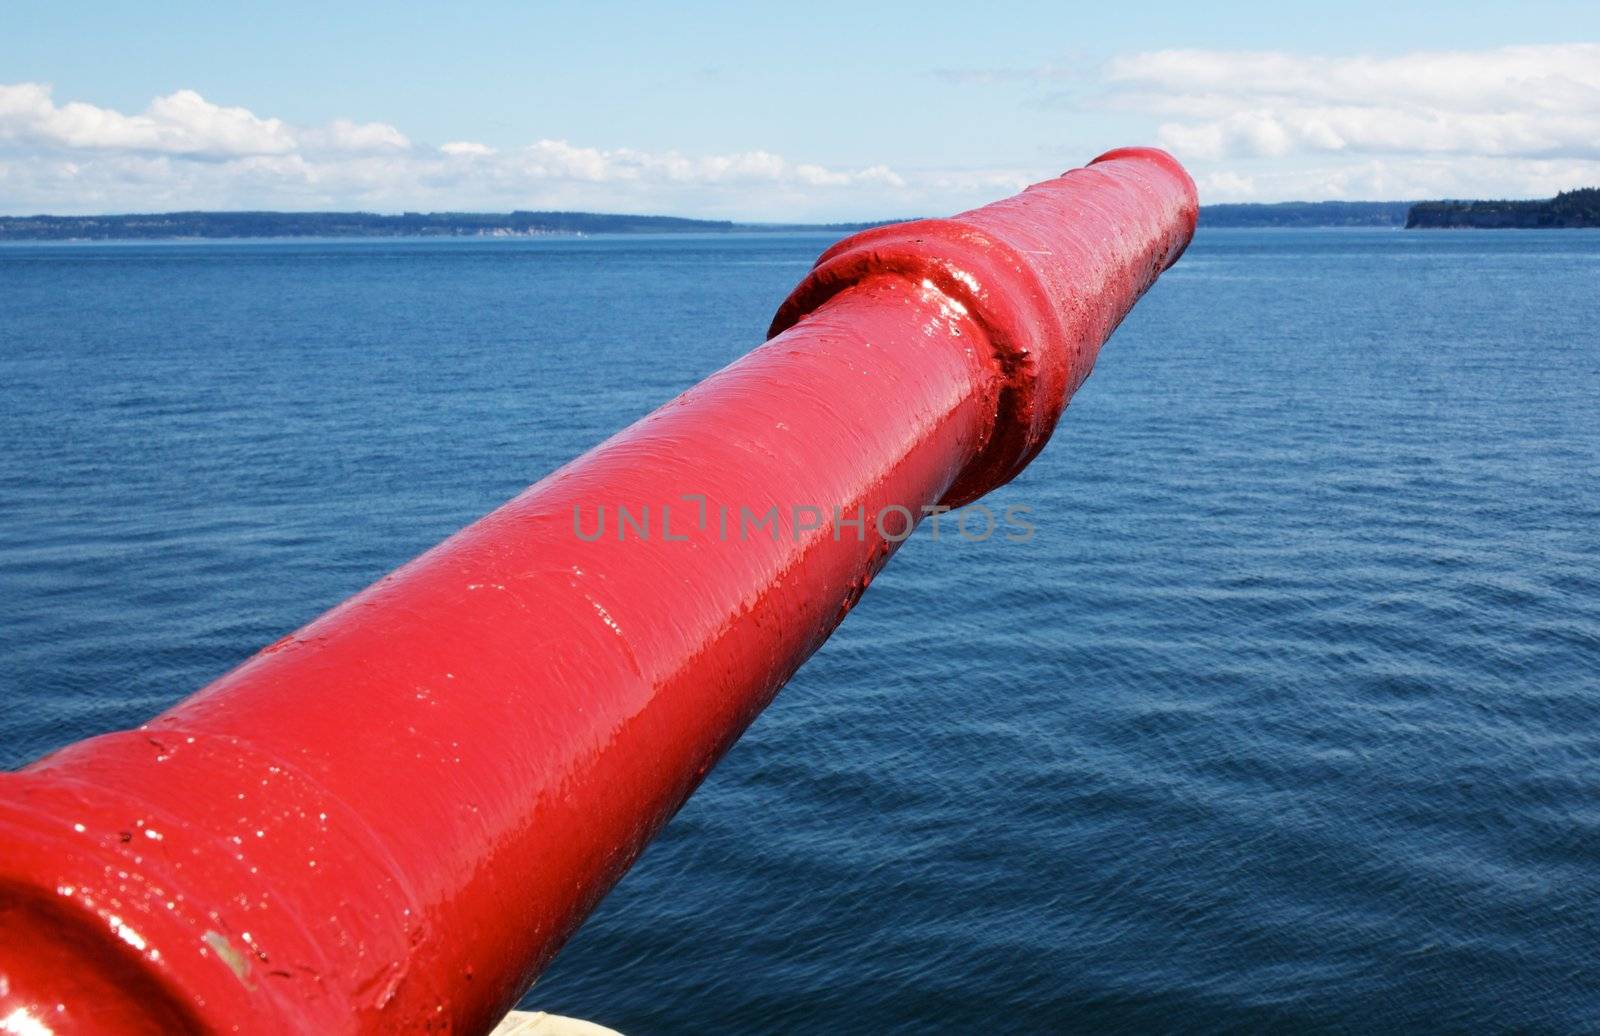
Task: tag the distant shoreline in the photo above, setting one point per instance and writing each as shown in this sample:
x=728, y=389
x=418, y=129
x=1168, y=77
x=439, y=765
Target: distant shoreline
x=212, y=226
x=1567, y=210
x=208, y=226
x=1571, y=209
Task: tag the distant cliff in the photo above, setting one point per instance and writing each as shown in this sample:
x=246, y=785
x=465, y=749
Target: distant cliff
x=1567, y=209
x=1307, y=214
x=365, y=224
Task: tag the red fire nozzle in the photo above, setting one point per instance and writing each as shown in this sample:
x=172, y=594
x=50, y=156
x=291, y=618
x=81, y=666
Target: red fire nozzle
x=391, y=819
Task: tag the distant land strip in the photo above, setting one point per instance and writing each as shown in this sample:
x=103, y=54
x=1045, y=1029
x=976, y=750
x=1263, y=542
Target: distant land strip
x=183, y=225
x=186, y=225
x=1568, y=209
x=1580, y=208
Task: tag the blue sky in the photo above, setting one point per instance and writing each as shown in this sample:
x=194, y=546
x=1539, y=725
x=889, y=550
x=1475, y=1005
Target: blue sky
x=793, y=111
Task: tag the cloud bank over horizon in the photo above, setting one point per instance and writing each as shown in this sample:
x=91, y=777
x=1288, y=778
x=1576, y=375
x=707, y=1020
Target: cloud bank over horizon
x=185, y=152
x=1512, y=121
x=1252, y=126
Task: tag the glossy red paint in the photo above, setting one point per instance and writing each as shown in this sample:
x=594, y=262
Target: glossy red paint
x=390, y=820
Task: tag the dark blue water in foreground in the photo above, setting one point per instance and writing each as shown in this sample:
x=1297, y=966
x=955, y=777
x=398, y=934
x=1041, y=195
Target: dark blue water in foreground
x=1287, y=718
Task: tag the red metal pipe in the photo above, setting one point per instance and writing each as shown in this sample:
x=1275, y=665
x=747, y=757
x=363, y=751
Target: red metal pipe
x=391, y=819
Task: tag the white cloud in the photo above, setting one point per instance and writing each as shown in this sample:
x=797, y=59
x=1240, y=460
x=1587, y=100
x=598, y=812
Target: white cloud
x=469, y=148
x=344, y=135
x=1549, y=79
x=181, y=123
x=183, y=151
x=1403, y=178
x=1226, y=186
x=1526, y=118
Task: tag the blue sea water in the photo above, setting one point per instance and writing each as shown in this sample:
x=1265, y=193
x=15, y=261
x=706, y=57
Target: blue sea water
x=1286, y=719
